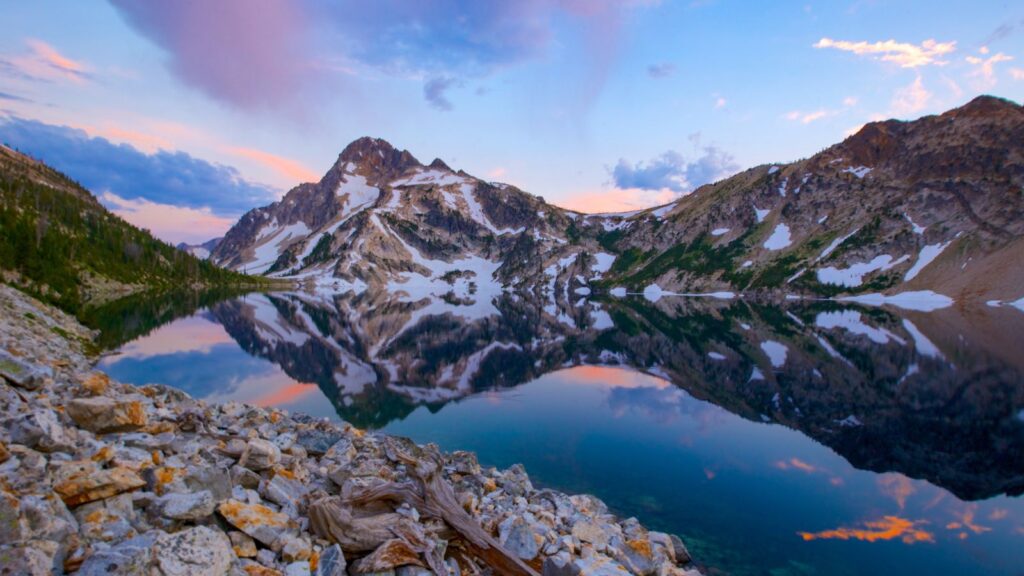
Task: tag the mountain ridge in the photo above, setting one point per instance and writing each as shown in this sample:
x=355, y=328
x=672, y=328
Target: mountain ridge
x=896, y=206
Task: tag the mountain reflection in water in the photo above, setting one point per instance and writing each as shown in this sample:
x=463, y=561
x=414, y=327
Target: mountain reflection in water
x=665, y=410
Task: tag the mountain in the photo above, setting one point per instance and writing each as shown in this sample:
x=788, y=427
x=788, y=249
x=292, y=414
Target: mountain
x=380, y=217
x=933, y=204
x=201, y=251
x=60, y=244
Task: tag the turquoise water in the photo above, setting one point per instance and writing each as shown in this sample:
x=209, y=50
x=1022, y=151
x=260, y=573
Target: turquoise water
x=889, y=448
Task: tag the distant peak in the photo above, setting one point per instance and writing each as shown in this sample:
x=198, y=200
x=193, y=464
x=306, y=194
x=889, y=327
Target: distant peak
x=439, y=164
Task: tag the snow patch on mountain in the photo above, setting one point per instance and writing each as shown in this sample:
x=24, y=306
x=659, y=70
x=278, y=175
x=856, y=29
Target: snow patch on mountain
x=854, y=275
x=779, y=239
x=928, y=253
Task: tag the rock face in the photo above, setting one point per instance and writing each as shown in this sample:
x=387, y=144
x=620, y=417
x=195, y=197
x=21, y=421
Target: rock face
x=98, y=477
x=932, y=204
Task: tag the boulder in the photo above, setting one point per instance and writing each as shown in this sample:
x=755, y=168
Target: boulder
x=127, y=558
x=40, y=430
x=256, y=520
x=21, y=373
x=331, y=562
x=317, y=442
x=103, y=414
x=83, y=481
x=260, y=455
x=29, y=559
x=388, y=556
x=243, y=544
x=187, y=506
x=198, y=551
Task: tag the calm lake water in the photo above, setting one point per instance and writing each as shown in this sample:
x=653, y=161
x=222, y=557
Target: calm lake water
x=807, y=439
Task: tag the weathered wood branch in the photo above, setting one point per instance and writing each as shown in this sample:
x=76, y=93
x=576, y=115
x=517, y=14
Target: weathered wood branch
x=430, y=494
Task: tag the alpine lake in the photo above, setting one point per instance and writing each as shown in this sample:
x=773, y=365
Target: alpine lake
x=782, y=438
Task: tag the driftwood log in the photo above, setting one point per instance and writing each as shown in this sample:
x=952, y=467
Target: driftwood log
x=345, y=519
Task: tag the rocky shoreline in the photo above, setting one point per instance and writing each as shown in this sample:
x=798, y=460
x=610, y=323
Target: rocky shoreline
x=99, y=477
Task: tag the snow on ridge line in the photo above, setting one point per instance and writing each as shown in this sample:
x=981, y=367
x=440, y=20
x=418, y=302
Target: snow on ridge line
x=919, y=300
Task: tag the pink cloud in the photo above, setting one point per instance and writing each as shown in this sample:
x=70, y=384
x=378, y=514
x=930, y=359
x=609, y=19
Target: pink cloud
x=44, y=62
x=249, y=53
x=617, y=200
x=288, y=168
x=172, y=224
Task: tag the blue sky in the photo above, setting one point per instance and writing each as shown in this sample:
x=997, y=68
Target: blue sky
x=181, y=114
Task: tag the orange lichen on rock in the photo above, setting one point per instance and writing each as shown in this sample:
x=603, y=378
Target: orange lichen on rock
x=641, y=547
x=97, y=383
x=244, y=516
x=90, y=484
x=888, y=528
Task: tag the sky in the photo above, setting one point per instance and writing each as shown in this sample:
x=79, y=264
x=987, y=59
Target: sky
x=181, y=115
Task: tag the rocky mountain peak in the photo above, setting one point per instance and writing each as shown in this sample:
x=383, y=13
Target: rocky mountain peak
x=374, y=156
x=439, y=164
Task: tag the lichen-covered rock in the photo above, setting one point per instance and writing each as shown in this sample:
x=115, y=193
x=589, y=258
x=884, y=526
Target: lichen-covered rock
x=260, y=455
x=127, y=558
x=388, y=556
x=189, y=506
x=198, y=551
x=40, y=430
x=256, y=520
x=23, y=374
x=83, y=481
x=28, y=559
x=104, y=414
x=243, y=544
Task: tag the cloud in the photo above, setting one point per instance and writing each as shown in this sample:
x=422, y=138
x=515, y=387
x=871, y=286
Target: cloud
x=163, y=177
x=720, y=102
x=286, y=167
x=902, y=54
x=45, y=63
x=262, y=53
x=985, y=68
x=250, y=53
x=671, y=171
x=663, y=70
x=896, y=486
x=888, y=528
x=912, y=98
x=617, y=200
x=808, y=117
x=172, y=224
x=434, y=92
x=1017, y=73
x=13, y=97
